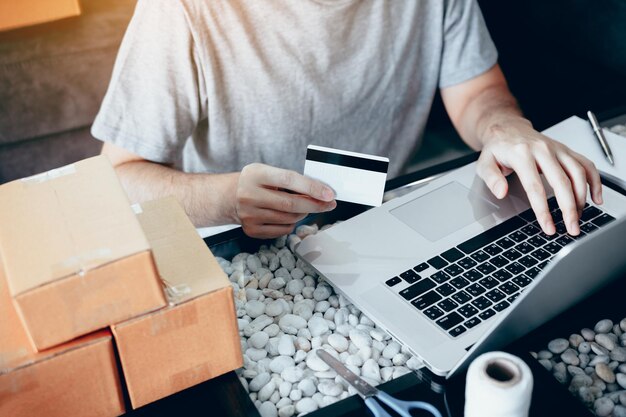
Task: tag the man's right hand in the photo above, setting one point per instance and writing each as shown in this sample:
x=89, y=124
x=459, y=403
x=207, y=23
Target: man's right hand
x=270, y=201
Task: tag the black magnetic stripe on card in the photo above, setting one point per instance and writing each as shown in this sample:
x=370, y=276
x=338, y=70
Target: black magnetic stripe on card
x=347, y=160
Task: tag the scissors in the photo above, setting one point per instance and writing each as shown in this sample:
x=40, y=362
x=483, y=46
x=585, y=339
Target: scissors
x=372, y=396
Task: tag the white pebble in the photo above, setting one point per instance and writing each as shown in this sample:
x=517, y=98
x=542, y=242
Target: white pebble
x=305, y=230
x=322, y=306
x=254, y=308
x=341, y=317
x=258, y=340
x=294, y=287
x=322, y=292
x=307, y=292
x=354, y=360
x=398, y=371
x=306, y=405
x=307, y=387
x=400, y=359
x=295, y=395
x=384, y=362
x=303, y=344
x=291, y=323
x=414, y=364
x=256, y=354
x=272, y=330
x=330, y=388
x=292, y=374
x=276, y=283
x=268, y=409
x=371, y=370
x=366, y=321
x=365, y=353
x=285, y=388
x=386, y=374
x=303, y=309
x=330, y=314
x=299, y=356
x=266, y=392
x=274, y=308
x=377, y=334
x=288, y=261
x=316, y=363
x=317, y=326
x=309, y=281
x=392, y=349
x=280, y=363
x=257, y=325
x=252, y=294
x=319, y=399
x=259, y=381
x=286, y=346
x=283, y=401
x=286, y=411
x=338, y=342
x=344, y=329
x=360, y=338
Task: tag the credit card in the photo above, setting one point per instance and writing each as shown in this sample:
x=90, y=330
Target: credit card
x=355, y=177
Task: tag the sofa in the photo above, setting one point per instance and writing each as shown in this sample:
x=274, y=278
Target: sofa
x=52, y=79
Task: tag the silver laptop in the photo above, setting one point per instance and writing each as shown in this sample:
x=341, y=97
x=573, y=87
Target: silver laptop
x=438, y=267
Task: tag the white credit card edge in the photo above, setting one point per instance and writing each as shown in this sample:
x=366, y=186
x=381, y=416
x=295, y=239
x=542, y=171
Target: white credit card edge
x=350, y=184
x=349, y=153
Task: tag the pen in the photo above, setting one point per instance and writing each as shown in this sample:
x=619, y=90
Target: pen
x=597, y=130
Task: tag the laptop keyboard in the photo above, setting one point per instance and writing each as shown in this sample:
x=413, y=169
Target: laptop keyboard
x=474, y=281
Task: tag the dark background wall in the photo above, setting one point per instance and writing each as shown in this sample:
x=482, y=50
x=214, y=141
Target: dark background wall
x=560, y=57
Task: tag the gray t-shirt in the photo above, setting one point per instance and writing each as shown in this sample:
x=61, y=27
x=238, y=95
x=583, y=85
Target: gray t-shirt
x=213, y=85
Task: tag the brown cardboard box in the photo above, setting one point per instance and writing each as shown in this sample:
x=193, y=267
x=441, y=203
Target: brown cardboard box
x=75, y=256
x=14, y=14
x=79, y=378
x=196, y=337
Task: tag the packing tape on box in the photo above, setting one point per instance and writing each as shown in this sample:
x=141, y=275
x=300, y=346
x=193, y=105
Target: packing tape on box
x=175, y=293
x=498, y=384
x=81, y=263
x=49, y=175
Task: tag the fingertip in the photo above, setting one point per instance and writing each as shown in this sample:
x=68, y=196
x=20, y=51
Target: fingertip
x=501, y=189
x=549, y=228
x=328, y=194
x=573, y=228
x=598, y=198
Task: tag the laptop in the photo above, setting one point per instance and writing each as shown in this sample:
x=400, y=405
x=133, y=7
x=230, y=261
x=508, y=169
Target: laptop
x=450, y=271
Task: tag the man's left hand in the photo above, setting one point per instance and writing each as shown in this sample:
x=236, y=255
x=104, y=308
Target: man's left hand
x=512, y=145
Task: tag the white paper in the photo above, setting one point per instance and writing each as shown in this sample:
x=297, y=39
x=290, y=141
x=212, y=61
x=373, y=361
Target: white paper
x=577, y=134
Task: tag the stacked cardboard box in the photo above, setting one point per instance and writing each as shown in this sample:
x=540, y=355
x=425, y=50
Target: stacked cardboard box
x=76, y=260
x=195, y=338
x=15, y=14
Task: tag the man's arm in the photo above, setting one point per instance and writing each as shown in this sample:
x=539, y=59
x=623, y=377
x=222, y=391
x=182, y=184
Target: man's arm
x=266, y=201
x=487, y=117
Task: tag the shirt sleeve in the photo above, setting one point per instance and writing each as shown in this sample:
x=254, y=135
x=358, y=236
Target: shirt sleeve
x=468, y=49
x=154, y=100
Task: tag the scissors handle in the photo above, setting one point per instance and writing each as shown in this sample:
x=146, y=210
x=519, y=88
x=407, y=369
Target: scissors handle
x=375, y=408
x=403, y=408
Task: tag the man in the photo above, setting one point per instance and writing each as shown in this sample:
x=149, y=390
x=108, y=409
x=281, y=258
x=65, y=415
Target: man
x=215, y=101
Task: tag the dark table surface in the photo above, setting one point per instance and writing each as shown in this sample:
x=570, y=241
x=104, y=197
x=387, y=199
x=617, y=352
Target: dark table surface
x=225, y=396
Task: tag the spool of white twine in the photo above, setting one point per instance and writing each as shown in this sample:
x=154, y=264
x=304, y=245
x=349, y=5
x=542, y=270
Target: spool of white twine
x=498, y=384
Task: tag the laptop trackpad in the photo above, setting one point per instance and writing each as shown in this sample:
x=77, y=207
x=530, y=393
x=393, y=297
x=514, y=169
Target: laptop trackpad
x=443, y=211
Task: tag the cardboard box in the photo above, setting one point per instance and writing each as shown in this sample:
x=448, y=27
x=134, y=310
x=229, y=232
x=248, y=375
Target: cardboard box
x=15, y=14
x=195, y=338
x=78, y=379
x=75, y=256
